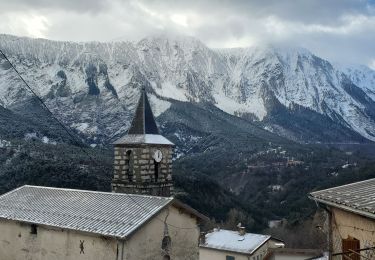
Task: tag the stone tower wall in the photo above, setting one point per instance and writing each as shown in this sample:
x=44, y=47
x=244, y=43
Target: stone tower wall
x=137, y=175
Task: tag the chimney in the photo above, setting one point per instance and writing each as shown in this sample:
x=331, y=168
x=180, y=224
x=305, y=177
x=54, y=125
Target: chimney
x=202, y=238
x=241, y=230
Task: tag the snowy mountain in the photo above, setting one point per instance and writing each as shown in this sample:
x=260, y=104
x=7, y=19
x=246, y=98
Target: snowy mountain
x=362, y=76
x=93, y=87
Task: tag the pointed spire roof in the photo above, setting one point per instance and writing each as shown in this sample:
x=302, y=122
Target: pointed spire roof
x=143, y=121
x=143, y=129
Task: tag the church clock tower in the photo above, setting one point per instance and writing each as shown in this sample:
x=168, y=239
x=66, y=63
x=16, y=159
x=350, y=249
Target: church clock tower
x=143, y=157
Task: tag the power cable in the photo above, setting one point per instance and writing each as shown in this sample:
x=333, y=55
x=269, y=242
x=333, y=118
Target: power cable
x=78, y=143
x=73, y=137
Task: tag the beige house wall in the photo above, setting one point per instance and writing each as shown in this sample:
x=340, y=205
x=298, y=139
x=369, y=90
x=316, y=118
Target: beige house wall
x=215, y=254
x=16, y=242
x=290, y=257
x=346, y=224
x=146, y=245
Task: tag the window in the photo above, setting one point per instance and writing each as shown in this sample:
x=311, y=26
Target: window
x=156, y=170
x=34, y=229
x=166, y=243
x=348, y=246
x=129, y=165
x=229, y=257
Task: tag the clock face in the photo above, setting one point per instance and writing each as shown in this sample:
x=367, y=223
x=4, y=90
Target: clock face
x=158, y=155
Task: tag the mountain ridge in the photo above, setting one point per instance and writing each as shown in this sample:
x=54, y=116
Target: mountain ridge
x=93, y=87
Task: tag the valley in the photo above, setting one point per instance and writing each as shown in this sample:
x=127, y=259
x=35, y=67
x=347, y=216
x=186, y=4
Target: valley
x=255, y=130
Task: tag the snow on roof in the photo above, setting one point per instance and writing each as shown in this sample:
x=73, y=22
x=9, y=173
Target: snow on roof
x=104, y=213
x=232, y=241
x=143, y=139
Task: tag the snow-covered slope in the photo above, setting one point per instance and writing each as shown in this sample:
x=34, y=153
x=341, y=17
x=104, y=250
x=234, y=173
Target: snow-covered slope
x=362, y=76
x=94, y=86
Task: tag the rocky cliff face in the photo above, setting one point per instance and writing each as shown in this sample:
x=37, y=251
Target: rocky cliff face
x=93, y=87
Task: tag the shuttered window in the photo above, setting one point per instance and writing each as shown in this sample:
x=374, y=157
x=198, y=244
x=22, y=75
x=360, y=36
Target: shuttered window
x=351, y=244
x=229, y=257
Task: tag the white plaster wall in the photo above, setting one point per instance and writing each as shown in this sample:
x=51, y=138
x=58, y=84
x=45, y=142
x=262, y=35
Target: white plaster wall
x=212, y=254
x=146, y=245
x=16, y=243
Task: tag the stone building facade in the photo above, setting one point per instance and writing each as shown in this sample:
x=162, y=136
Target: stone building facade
x=136, y=171
x=43, y=223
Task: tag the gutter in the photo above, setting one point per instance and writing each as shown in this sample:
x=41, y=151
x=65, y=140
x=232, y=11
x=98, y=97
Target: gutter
x=347, y=208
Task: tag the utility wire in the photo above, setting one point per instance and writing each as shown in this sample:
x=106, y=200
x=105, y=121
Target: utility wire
x=79, y=144
x=68, y=131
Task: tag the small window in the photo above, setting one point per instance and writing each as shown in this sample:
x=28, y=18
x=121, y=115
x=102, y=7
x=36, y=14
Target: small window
x=166, y=243
x=34, y=229
x=348, y=246
x=229, y=257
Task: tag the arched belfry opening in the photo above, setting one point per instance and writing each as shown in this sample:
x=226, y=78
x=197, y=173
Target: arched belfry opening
x=129, y=163
x=143, y=157
x=156, y=170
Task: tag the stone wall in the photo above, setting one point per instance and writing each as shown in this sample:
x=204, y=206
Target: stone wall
x=136, y=173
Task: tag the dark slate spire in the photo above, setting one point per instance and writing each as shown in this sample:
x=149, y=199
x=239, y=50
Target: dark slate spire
x=143, y=121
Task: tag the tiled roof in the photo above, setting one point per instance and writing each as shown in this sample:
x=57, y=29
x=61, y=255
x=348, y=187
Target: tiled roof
x=104, y=213
x=229, y=240
x=358, y=197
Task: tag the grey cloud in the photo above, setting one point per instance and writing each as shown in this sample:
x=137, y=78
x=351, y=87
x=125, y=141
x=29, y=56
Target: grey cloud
x=336, y=29
x=94, y=6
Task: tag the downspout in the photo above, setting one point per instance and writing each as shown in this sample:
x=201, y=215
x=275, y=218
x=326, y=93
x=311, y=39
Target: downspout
x=120, y=249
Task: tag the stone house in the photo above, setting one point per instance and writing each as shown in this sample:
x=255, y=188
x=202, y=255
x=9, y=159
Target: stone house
x=42, y=223
x=351, y=219
x=221, y=244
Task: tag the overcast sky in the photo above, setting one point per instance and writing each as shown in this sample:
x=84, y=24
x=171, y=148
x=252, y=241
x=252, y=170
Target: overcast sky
x=339, y=30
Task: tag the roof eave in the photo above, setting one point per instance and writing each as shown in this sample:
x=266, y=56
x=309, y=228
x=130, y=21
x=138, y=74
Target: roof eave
x=344, y=207
x=140, y=225
x=190, y=210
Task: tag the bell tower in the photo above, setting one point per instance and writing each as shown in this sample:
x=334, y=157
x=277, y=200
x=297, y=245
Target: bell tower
x=143, y=157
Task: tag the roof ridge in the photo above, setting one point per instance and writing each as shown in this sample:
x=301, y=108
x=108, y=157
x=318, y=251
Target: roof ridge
x=94, y=192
